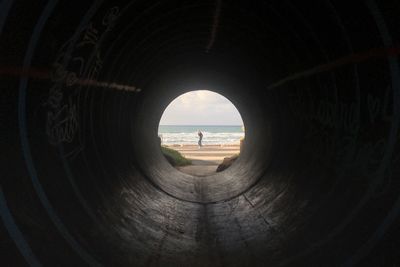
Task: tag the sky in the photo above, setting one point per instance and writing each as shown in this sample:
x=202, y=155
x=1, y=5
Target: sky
x=201, y=107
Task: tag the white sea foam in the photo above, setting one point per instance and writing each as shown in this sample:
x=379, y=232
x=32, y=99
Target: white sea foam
x=208, y=138
x=176, y=134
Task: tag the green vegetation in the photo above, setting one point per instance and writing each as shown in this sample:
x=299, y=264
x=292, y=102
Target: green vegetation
x=174, y=157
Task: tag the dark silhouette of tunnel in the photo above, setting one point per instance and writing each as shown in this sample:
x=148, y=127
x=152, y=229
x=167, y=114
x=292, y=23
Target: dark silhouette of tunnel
x=84, y=84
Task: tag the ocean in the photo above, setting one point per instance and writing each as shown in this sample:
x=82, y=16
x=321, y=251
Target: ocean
x=212, y=134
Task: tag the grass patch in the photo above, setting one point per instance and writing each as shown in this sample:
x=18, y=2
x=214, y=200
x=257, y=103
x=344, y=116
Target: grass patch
x=174, y=157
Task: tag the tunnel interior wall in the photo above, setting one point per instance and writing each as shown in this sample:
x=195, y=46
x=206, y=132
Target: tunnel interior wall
x=83, y=88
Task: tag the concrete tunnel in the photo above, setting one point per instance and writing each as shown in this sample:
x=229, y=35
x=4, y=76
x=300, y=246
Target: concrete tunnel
x=83, y=87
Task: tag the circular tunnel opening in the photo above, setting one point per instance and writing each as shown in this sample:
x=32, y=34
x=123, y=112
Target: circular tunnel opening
x=201, y=183
x=201, y=132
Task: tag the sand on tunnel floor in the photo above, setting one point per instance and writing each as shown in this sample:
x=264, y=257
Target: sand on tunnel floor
x=206, y=159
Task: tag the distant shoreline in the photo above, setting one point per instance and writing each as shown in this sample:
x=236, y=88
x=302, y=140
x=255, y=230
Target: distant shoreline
x=212, y=135
x=205, y=125
x=204, y=145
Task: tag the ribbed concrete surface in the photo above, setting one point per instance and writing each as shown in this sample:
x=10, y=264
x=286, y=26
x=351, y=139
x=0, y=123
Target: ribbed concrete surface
x=83, y=86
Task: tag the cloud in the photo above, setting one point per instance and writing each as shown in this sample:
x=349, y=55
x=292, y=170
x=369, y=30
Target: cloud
x=201, y=107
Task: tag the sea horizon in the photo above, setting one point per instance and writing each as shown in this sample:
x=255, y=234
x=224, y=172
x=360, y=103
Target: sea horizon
x=201, y=125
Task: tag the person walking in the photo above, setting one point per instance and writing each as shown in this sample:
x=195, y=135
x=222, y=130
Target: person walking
x=200, y=134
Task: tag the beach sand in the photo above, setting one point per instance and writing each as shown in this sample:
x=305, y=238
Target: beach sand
x=206, y=159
